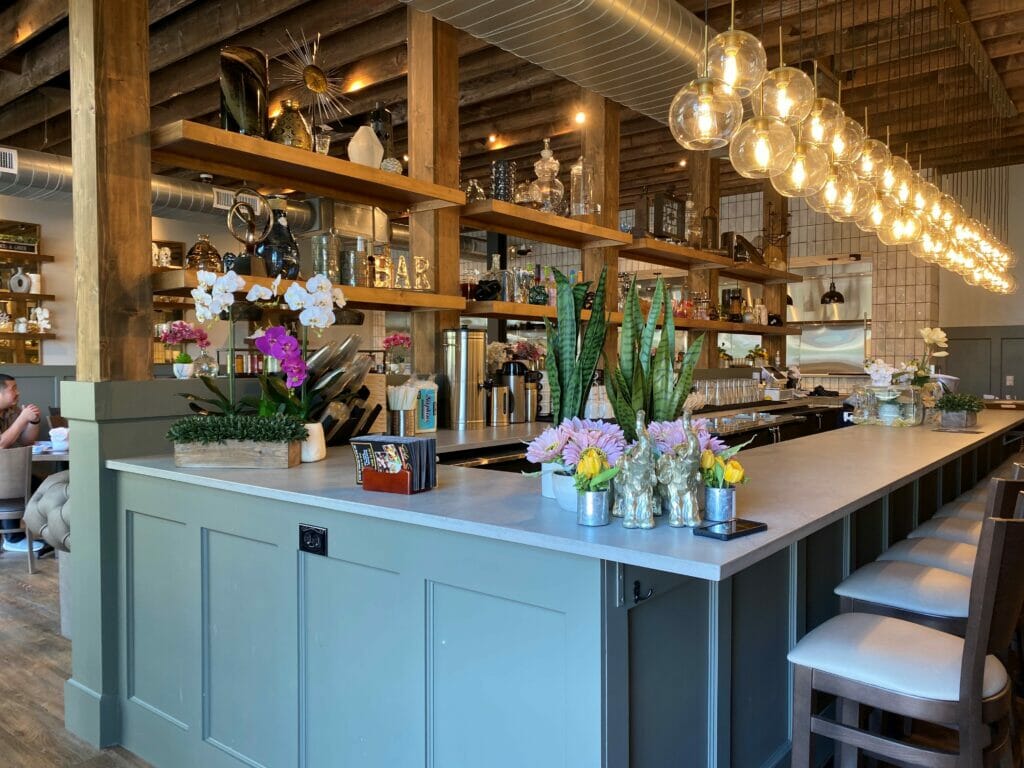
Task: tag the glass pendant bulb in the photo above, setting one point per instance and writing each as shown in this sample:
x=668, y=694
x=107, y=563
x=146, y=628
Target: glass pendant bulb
x=786, y=93
x=839, y=183
x=855, y=201
x=822, y=123
x=932, y=244
x=902, y=227
x=762, y=147
x=847, y=141
x=738, y=59
x=704, y=115
x=895, y=179
x=923, y=195
x=875, y=216
x=874, y=156
x=806, y=173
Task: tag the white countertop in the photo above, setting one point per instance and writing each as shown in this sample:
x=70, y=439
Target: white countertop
x=450, y=440
x=796, y=487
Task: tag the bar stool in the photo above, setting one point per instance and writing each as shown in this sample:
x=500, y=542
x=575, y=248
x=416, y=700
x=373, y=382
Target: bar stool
x=923, y=589
x=917, y=671
x=950, y=529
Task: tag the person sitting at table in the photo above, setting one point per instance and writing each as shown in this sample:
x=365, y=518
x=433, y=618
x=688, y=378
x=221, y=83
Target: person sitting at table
x=19, y=425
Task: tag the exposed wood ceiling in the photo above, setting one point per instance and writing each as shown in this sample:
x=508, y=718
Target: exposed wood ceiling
x=902, y=60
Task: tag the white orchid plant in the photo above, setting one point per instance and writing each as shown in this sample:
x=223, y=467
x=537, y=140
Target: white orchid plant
x=215, y=294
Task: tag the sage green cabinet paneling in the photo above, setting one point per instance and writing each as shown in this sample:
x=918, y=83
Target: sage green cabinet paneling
x=158, y=617
x=249, y=655
x=362, y=697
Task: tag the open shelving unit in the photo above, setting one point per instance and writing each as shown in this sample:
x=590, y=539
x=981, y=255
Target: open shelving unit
x=201, y=147
x=664, y=254
x=17, y=258
x=180, y=282
x=512, y=219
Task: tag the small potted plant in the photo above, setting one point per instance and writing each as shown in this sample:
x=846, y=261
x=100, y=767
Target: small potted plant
x=959, y=410
x=594, y=473
x=182, y=333
x=721, y=474
x=758, y=357
x=724, y=358
x=233, y=440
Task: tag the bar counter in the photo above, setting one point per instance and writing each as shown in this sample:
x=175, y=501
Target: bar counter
x=477, y=624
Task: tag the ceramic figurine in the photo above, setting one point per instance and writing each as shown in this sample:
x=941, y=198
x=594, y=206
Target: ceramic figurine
x=638, y=476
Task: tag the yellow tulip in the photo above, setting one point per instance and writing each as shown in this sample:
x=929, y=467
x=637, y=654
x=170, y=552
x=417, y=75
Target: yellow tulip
x=591, y=464
x=707, y=459
x=733, y=472
x=720, y=461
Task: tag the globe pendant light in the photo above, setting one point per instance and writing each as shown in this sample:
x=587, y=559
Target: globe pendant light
x=895, y=179
x=847, y=141
x=875, y=216
x=923, y=196
x=855, y=202
x=832, y=296
x=786, y=93
x=902, y=227
x=874, y=156
x=821, y=124
x=705, y=114
x=806, y=173
x=762, y=147
x=932, y=244
x=839, y=182
x=736, y=58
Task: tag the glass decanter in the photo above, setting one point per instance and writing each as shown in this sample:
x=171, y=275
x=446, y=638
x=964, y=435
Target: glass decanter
x=547, y=191
x=279, y=251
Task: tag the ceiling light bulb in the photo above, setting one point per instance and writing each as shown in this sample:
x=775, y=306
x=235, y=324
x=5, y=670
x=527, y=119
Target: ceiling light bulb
x=847, y=141
x=822, y=123
x=738, y=59
x=704, y=116
x=762, y=147
x=786, y=93
x=805, y=174
x=874, y=157
x=799, y=172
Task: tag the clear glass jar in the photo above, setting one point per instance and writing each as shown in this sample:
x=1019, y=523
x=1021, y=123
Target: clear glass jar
x=202, y=255
x=581, y=188
x=325, y=250
x=547, y=191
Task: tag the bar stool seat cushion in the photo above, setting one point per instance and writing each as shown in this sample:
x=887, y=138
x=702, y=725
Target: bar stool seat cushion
x=938, y=553
x=949, y=528
x=965, y=510
x=893, y=655
x=909, y=587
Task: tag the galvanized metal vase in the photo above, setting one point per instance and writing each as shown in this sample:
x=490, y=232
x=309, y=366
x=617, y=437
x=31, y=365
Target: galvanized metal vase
x=720, y=504
x=594, y=507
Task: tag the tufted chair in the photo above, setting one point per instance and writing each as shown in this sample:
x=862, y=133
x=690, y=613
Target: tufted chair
x=48, y=514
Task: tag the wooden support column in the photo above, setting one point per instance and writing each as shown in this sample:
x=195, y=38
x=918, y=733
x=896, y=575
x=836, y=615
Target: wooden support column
x=112, y=216
x=775, y=294
x=112, y=209
x=600, y=142
x=705, y=175
x=433, y=156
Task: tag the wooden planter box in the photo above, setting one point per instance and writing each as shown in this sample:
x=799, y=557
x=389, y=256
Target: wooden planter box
x=959, y=419
x=238, y=454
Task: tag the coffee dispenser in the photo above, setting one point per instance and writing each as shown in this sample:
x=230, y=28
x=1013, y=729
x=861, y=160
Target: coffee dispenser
x=513, y=376
x=461, y=383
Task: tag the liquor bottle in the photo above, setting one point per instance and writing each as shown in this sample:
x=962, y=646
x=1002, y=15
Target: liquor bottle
x=549, y=283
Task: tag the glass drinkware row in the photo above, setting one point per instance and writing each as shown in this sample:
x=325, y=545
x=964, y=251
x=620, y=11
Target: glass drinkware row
x=718, y=392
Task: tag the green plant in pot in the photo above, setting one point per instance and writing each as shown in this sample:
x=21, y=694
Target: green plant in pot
x=647, y=382
x=574, y=347
x=959, y=410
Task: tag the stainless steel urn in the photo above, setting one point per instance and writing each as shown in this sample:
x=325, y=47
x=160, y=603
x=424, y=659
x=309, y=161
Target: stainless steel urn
x=462, y=390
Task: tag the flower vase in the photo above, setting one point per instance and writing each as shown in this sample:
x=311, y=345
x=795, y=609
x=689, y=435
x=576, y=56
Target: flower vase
x=547, y=471
x=206, y=365
x=593, y=508
x=720, y=504
x=184, y=370
x=564, y=486
x=314, y=447
x=365, y=148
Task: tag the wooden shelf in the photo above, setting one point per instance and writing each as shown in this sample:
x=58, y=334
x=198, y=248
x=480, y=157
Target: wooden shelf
x=204, y=148
x=180, y=282
x=32, y=336
x=507, y=310
x=511, y=219
x=680, y=256
x=12, y=296
x=17, y=257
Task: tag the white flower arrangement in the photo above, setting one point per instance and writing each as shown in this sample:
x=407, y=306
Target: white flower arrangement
x=880, y=372
x=215, y=293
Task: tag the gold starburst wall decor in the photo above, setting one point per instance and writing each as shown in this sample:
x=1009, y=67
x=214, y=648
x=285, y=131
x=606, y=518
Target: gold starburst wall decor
x=318, y=89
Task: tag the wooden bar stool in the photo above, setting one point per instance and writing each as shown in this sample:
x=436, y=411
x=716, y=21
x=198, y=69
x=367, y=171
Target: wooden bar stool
x=926, y=580
x=919, y=672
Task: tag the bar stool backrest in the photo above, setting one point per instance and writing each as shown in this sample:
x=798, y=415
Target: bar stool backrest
x=15, y=481
x=1018, y=471
x=1002, y=497
x=997, y=592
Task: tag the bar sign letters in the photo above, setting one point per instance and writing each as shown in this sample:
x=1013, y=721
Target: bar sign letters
x=8, y=160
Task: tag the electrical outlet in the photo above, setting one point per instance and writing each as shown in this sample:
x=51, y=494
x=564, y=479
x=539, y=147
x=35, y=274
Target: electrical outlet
x=1009, y=381
x=313, y=539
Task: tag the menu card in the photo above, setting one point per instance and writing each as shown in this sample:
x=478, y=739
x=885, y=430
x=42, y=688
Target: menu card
x=391, y=454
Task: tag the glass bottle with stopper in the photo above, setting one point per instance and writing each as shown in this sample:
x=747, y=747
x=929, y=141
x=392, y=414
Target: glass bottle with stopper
x=581, y=188
x=547, y=191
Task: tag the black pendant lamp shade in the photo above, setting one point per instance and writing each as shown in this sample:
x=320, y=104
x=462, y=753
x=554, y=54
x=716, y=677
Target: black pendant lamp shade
x=832, y=296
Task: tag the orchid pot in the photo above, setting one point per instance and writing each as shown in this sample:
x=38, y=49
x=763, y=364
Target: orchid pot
x=184, y=370
x=564, y=486
x=314, y=447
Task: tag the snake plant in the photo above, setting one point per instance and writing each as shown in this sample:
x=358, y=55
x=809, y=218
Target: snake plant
x=644, y=382
x=570, y=361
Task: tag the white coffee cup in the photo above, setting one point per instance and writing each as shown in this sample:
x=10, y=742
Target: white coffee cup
x=59, y=438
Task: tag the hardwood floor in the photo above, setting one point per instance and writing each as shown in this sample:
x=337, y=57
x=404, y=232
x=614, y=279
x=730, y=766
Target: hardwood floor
x=34, y=663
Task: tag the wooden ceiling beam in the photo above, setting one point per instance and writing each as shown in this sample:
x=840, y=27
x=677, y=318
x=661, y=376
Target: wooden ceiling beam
x=41, y=105
x=981, y=10
x=23, y=20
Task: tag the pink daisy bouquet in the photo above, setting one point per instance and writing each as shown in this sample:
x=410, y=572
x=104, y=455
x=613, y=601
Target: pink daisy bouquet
x=668, y=436
x=588, y=449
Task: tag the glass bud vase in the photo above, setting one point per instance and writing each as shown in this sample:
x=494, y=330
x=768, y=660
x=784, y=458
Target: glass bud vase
x=206, y=365
x=279, y=251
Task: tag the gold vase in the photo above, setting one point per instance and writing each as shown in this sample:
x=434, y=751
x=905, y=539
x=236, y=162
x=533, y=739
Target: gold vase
x=290, y=127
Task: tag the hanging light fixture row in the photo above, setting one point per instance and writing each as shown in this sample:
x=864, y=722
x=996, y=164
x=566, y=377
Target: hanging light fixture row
x=809, y=148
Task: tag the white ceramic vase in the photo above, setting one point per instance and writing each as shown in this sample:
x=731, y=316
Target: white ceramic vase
x=314, y=447
x=184, y=370
x=547, y=471
x=365, y=148
x=565, y=491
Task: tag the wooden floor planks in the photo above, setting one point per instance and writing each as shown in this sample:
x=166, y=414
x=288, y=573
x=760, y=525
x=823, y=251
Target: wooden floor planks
x=35, y=661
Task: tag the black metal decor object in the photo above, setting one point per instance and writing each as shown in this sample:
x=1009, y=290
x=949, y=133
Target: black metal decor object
x=243, y=90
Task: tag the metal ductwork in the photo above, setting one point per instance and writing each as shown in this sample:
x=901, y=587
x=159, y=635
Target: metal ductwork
x=42, y=176
x=638, y=53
